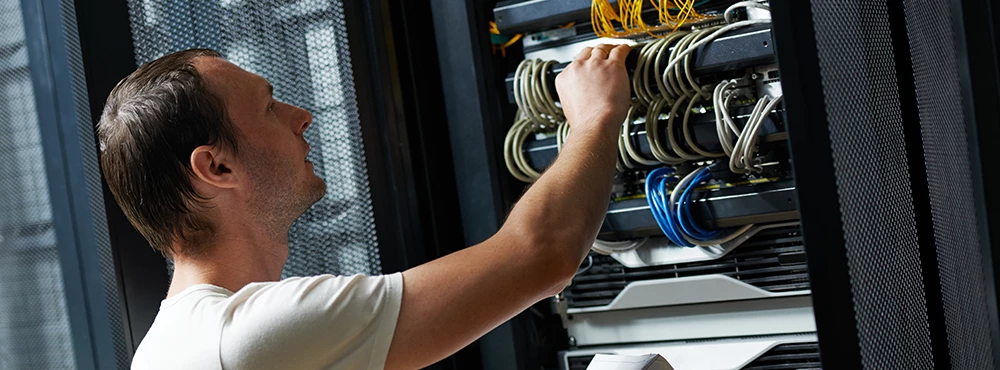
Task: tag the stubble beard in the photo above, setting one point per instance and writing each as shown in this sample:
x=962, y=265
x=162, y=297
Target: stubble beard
x=276, y=201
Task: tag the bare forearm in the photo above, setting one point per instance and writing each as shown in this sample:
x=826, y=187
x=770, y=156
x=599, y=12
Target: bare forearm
x=562, y=212
x=567, y=204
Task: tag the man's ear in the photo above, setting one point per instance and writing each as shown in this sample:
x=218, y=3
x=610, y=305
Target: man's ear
x=213, y=166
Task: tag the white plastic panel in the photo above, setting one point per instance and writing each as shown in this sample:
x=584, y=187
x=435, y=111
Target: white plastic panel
x=686, y=290
x=716, y=320
x=726, y=354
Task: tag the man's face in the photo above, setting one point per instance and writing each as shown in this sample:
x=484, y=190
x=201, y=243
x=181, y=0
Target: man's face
x=282, y=184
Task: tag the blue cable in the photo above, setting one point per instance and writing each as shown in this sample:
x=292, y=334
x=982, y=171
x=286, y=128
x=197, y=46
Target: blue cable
x=654, y=181
x=660, y=205
x=684, y=216
x=675, y=232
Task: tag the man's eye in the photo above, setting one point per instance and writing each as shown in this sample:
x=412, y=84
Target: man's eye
x=270, y=107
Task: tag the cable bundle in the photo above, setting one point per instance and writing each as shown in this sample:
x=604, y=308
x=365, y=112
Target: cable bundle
x=676, y=57
x=657, y=89
x=673, y=213
x=685, y=12
x=562, y=133
x=675, y=88
x=533, y=96
x=741, y=154
x=648, y=68
x=659, y=203
x=628, y=155
x=628, y=17
x=513, y=150
x=724, y=93
x=603, y=17
x=537, y=112
x=742, y=160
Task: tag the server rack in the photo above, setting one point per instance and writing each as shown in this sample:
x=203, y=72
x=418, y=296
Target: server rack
x=900, y=260
x=595, y=323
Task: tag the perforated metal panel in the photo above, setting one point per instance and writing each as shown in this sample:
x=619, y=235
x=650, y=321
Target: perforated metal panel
x=34, y=327
x=95, y=192
x=301, y=48
x=946, y=154
x=866, y=134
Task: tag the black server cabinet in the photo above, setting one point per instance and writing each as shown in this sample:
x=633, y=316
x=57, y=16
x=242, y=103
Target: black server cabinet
x=890, y=112
x=476, y=83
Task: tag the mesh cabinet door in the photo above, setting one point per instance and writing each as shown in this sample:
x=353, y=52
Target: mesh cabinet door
x=301, y=48
x=848, y=131
x=882, y=127
x=866, y=134
x=34, y=325
x=952, y=193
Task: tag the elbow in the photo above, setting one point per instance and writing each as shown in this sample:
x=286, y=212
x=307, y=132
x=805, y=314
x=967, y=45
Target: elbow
x=563, y=269
x=560, y=283
x=558, y=270
x=554, y=258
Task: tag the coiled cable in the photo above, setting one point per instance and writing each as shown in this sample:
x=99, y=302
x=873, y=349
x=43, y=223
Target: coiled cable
x=689, y=139
x=533, y=96
x=671, y=131
x=627, y=150
x=691, y=233
x=513, y=151
x=653, y=134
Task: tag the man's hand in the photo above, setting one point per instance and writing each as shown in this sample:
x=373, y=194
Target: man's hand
x=594, y=89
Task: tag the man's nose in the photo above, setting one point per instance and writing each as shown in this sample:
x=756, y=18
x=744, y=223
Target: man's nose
x=302, y=119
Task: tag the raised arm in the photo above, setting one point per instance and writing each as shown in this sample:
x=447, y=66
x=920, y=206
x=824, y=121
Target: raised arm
x=452, y=301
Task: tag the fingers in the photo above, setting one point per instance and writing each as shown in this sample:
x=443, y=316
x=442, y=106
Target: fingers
x=602, y=51
x=619, y=53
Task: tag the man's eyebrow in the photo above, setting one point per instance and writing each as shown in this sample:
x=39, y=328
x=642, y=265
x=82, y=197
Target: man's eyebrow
x=270, y=89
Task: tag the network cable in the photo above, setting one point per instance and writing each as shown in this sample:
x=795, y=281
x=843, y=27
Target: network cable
x=661, y=206
x=628, y=16
x=724, y=125
x=648, y=69
x=743, y=160
x=533, y=96
x=690, y=228
x=513, y=150
x=537, y=112
x=671, y=132
x=653, y=134
x=688, y=49
x=626, y=148
x=689, y=231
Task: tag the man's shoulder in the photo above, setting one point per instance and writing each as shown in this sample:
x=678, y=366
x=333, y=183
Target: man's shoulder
x=183, y=336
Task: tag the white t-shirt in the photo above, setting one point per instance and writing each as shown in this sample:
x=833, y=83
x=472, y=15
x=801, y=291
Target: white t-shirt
x=320, y=322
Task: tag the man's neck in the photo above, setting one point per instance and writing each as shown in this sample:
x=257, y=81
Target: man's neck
x=230, y=263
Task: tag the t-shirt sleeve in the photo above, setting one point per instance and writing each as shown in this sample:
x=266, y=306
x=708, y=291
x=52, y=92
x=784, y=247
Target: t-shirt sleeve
x=320, y=322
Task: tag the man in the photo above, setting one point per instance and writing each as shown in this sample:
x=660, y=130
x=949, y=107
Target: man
x=213, y=171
